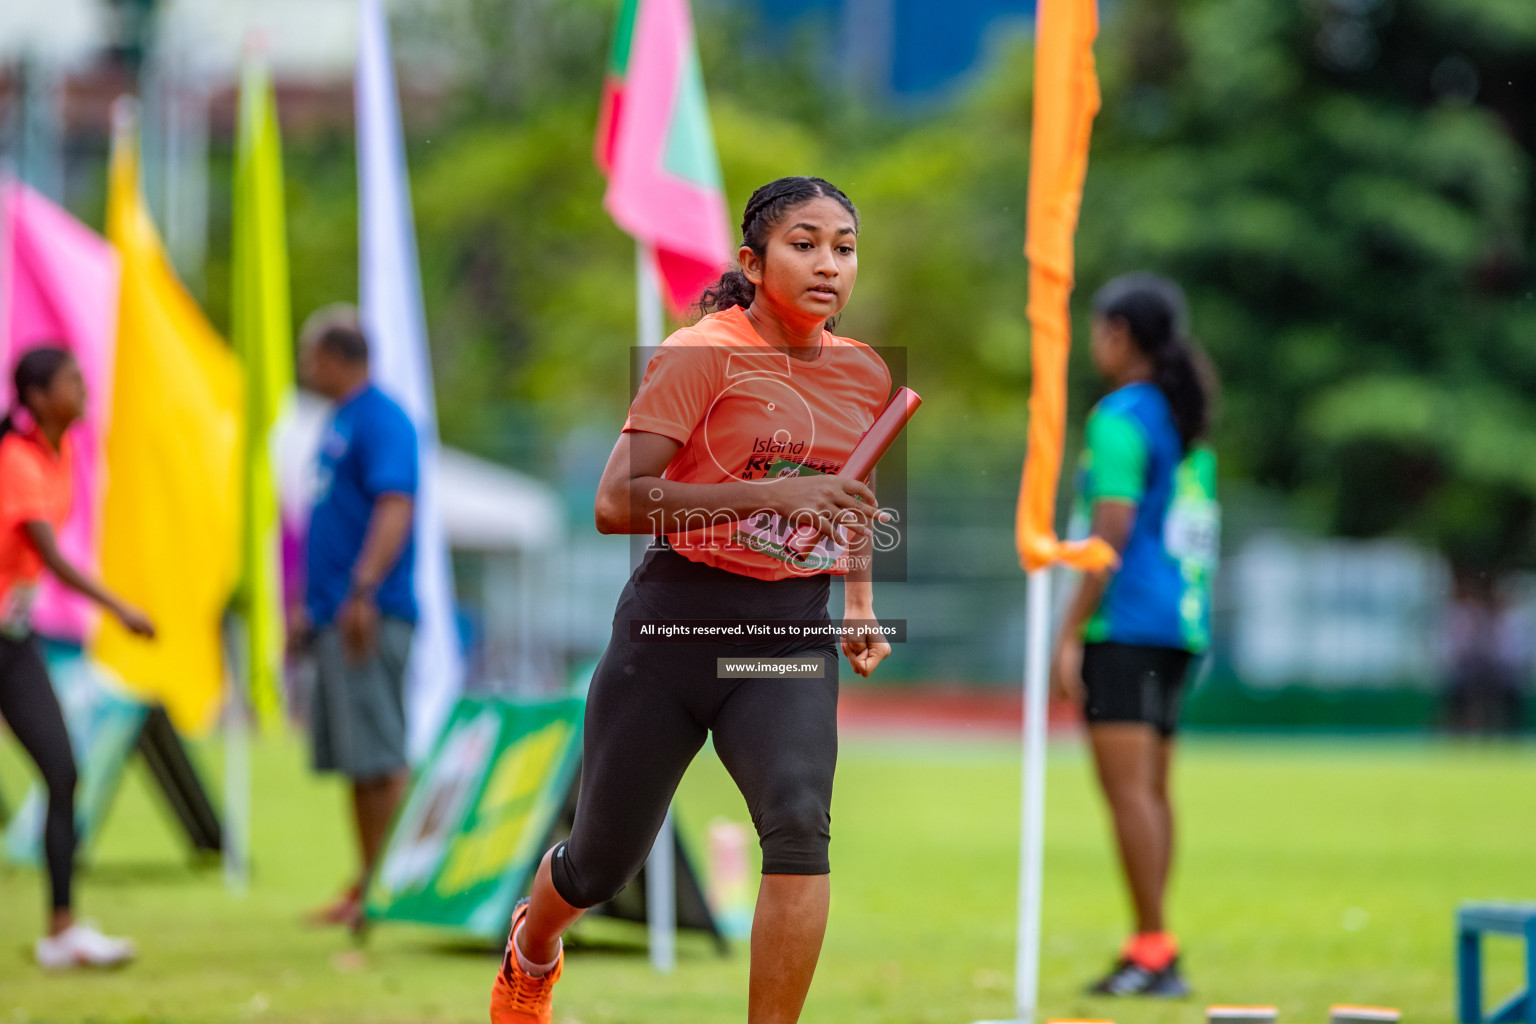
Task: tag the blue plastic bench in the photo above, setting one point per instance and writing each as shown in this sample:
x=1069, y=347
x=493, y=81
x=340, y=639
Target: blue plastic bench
x=1472, y=921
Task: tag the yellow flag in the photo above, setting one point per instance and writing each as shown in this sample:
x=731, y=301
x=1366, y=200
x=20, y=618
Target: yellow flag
x=170, y=534
x=259, y=327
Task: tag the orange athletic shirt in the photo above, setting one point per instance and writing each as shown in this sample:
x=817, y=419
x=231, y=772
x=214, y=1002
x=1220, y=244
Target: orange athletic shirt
x=35, y=486
x=745, y=410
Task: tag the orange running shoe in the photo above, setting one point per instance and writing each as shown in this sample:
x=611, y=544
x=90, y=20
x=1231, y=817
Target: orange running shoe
x=518, y=997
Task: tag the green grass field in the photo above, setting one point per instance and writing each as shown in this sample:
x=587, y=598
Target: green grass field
x=1311, y=871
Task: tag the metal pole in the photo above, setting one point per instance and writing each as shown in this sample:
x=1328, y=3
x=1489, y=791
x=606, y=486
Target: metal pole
x=648, y=292
x=237, y=763
x=661, y=899
x=1031, y=859
x=1037, y=660
x=42, y=127
x=660, y=870
x=186, y=172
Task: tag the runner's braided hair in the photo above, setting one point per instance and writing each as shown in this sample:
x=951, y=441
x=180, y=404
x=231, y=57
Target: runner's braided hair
x=1155, y=313
x=36, y=369
x=765, y=210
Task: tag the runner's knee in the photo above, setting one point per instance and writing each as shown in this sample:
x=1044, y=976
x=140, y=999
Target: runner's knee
x=795, y=831
x=596, y=880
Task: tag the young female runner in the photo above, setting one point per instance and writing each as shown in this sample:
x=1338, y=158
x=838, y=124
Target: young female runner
x=35, y=496
x=1128, y=637
x=733, y=436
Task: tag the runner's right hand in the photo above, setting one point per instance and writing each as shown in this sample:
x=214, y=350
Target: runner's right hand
x=826, y=502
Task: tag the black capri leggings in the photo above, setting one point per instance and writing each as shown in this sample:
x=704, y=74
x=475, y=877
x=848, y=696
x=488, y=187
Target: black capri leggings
x=651, y=704
x=30, y=707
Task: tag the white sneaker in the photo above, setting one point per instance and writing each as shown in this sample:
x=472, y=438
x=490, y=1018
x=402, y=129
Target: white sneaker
x=81, y=945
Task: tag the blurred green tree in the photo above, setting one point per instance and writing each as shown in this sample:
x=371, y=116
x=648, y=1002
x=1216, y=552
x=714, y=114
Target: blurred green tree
x=1343, y=186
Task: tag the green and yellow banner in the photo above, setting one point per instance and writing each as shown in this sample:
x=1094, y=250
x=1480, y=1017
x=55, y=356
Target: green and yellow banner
x=480, y=811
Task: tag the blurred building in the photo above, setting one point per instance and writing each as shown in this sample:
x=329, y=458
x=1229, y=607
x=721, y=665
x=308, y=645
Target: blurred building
x=64, y=62
x=313, y=38
x=901, y=49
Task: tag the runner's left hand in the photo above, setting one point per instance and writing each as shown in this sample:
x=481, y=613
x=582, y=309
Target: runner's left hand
x=865, y=649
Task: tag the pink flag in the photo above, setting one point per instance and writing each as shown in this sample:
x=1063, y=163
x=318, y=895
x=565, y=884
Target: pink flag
x=58, y=285
x=658, y=149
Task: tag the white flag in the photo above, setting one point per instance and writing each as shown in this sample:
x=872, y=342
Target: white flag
x=389, y=283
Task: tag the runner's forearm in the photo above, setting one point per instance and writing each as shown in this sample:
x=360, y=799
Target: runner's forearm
x=654, y=504
x=46, y=543
x=858, y=585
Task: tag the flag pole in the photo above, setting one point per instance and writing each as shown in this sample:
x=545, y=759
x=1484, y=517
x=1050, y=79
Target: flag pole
x=1066, y=99
x=1032, y=827
x=237, y=757
x=389, y=293
x=660, y=869
x=650, y=324
x=1037, y=662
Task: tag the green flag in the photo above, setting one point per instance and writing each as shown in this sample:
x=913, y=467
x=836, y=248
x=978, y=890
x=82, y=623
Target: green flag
x=262, y=335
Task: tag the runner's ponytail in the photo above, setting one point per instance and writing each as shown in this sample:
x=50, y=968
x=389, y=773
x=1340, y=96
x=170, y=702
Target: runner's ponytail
x=764, y=211
x=733, y=289
x=1157, y=318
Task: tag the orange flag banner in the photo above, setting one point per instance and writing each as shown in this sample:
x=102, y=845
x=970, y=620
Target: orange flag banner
x=1066, y=100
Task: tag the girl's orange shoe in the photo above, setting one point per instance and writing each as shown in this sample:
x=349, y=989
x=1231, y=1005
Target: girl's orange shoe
x=518, y=997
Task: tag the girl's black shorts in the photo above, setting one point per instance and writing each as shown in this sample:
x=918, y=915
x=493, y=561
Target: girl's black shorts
x=1133, y=683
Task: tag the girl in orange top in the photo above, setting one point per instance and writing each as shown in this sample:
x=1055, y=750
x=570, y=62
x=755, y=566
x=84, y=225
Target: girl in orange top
x=35, y=496
x=731, y=443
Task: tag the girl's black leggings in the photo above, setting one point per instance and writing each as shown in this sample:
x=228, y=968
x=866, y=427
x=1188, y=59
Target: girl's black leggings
x=29, y=705
x=652, y=705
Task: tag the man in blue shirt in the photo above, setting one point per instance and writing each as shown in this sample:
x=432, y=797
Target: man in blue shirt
x=360, y=598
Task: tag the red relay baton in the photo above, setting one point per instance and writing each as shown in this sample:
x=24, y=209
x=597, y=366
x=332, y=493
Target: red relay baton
x=871, y=447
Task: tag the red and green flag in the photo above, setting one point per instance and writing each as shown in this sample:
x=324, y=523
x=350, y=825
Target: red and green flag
x=655, y=144
x=613, y=87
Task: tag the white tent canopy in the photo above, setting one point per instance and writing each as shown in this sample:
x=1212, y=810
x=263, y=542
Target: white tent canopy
x=485, y=507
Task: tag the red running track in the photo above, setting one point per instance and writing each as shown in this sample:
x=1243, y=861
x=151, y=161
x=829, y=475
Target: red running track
x=943, y=710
